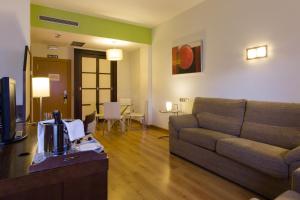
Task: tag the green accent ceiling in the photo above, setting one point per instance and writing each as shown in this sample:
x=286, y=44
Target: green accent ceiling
x=91, y=25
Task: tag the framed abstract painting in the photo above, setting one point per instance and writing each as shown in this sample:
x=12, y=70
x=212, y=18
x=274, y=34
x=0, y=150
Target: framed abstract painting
x=187, y=58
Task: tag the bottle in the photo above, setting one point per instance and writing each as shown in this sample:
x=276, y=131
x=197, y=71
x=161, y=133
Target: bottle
x=58, y=133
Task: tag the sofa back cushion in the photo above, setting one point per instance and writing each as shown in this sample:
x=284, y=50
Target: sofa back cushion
x=224, y=115
x=272, y=123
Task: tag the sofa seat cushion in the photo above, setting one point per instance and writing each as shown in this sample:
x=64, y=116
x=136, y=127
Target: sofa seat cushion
x=202, y=137
x=262, y=157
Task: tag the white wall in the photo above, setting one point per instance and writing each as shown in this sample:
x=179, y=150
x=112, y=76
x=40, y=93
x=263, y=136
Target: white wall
x=146, y=83
x=135, y=66
x=124, y=76
x=140, y=81
x=228, y=28
x=14, y=36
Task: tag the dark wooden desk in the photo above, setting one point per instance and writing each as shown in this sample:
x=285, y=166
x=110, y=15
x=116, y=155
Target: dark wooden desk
x=78, y=178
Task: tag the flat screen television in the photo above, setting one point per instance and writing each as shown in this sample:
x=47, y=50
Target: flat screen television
x=8, y=111
x=8, y=108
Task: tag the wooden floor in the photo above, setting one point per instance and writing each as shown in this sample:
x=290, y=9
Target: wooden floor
x=140, y=167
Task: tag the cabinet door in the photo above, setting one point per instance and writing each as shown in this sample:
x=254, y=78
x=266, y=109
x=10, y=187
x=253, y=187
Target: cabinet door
x=92, y=187
x=49, y=192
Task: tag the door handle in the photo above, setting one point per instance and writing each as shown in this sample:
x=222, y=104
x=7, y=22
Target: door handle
x=65, y=97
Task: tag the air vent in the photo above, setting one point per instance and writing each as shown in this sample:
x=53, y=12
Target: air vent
x=77, y=44
x=58, y=21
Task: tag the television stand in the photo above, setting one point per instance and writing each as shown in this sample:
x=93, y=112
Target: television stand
x=78, y=176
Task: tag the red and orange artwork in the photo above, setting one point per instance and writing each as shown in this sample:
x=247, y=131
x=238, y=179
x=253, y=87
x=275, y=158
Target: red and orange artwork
x=187, y=58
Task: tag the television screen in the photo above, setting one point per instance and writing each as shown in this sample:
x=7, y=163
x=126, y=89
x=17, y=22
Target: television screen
x=8, y=108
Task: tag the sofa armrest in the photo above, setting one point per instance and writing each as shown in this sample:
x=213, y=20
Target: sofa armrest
x=296, y=180
x=183, y=121
x=292, y=156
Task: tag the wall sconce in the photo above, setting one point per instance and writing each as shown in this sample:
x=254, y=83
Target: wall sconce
x=257, y=52
x=169, y=106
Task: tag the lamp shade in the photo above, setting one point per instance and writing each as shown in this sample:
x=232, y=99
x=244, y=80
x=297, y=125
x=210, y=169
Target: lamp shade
x=169, y=106
x=40, y=87
x=114, y=54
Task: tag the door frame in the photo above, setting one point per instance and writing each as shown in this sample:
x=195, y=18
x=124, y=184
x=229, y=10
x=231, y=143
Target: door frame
x=78, y=54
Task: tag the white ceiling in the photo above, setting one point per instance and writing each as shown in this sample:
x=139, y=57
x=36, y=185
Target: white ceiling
x=47, y=36
x=148, y=13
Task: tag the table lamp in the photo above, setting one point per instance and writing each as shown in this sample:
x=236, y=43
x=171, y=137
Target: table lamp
x=40, y=88
x=169, y=106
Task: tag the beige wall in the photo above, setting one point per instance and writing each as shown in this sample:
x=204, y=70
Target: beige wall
x=14, y=36
x=41, y=50
x=228, y=28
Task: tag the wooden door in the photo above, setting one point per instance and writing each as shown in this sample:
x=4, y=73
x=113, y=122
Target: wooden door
x=59, y=72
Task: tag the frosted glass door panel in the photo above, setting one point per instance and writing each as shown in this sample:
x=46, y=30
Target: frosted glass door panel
x=89, y=64
x=104, y=66
x=88, y=96
x=95, y=84
x=88, y=102
x=89, y=85
x=104, y=96
x=88, y=80
x=104, y=81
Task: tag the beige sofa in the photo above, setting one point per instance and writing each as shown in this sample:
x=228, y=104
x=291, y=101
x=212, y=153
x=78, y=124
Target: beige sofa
x=255, y=144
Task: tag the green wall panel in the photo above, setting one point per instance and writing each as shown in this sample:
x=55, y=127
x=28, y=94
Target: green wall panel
x=91, y=25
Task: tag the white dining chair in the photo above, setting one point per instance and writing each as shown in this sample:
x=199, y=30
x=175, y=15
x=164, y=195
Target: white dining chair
x=100, y=114
x=140, y=116
x=126, y=105
x=112, y=114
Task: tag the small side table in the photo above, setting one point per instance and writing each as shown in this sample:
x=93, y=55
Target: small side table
x=173, y=112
